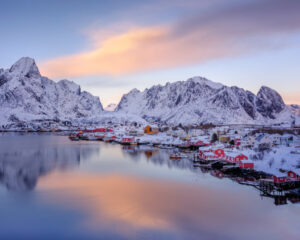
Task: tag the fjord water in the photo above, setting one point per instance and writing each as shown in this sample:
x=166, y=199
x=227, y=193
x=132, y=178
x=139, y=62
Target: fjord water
x=52, y=188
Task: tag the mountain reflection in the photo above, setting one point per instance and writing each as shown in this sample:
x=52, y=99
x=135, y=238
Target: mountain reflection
x=24, y=159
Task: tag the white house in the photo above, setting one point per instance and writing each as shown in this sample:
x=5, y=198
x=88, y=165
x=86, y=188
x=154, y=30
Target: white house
x=287, y=139
x=248, y=141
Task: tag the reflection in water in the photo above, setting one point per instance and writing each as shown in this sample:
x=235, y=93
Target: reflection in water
x=161, y=157
x=24, y=159
x=140, y=205
x=129, y=193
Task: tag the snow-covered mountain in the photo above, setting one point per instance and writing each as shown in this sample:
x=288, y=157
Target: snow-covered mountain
x=110, y=107
x=25, y=95
x=295, y=109
x=199, y=100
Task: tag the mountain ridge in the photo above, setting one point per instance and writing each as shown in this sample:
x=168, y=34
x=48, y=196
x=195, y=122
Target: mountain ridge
x=199, y=100
x=26, y=95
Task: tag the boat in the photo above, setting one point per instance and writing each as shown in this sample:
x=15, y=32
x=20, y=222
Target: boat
x=175, y=156
x=184, y=146
x=99, y=137
x=91, y=137
x=74, y=137
x=83, y=136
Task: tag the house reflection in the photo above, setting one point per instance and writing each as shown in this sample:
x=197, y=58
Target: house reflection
x=161, y=157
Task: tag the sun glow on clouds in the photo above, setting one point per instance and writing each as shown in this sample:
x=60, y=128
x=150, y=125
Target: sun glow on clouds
x=193, y=40
x=136, y=50
x=118, y=54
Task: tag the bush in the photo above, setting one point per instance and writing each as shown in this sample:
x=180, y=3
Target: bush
x=214, y=138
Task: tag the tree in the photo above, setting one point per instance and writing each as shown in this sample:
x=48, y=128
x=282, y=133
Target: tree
x=214, y=138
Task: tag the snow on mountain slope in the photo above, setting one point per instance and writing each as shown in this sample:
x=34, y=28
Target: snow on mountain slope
x=295, y=109
x=199, y=100
x=25, y=95
x=110, y=107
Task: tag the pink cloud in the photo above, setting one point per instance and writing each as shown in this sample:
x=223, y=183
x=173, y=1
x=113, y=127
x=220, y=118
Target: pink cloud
x=223, y=33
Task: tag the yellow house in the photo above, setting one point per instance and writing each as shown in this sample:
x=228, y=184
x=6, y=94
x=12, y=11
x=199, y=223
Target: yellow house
x=150, y=130
x=224, y=139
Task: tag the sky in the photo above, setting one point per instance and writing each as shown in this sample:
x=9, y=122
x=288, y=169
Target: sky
x=112, y=46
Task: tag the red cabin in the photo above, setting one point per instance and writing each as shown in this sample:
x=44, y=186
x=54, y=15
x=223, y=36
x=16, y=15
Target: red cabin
x=279, y=179
x=99, y=130
x=292, y=175
x=237, y=142
x=246, y=165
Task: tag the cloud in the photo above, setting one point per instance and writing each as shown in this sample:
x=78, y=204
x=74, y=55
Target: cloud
x=231, y=31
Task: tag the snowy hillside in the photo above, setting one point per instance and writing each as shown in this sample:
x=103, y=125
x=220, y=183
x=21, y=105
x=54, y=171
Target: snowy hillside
x=25, y=95
x=295, y=109
x=199, y=100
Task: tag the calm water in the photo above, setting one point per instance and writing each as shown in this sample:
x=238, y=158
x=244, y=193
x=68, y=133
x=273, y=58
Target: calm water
x=52, y=188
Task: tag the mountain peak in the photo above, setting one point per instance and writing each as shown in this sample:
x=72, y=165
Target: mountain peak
x=269, y=102
x=134, y=91
x=110, y=107
x=205, y=81
x=25, y=66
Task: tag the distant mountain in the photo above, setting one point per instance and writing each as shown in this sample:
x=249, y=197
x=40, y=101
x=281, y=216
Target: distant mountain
x=110, y=107
x=199, y=100
x=295, y=109
x=25, y=95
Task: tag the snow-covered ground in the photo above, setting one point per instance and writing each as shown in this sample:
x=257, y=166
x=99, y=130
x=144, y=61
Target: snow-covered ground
x=277, y=161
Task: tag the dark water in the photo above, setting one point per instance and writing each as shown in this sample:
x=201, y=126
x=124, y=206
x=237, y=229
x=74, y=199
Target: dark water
x=51, y=188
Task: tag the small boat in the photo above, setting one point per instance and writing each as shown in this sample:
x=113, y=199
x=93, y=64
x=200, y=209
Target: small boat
x=99, y=137
x=91, y=137
x=83, y=137
x=73, y=137
x=184, y=146
x=166, y=146
x=175, y=156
